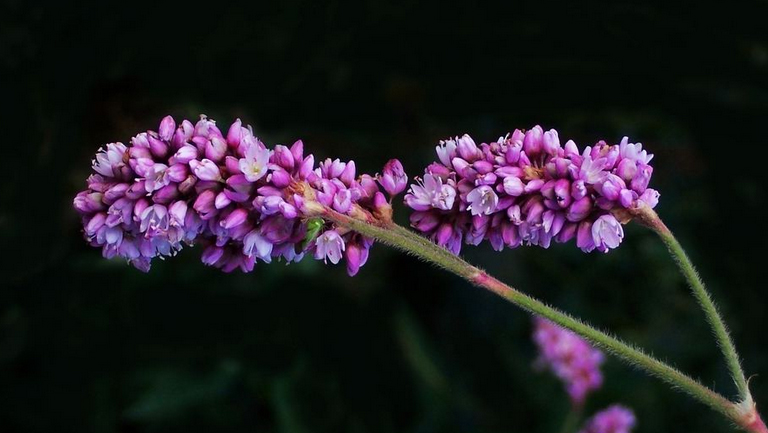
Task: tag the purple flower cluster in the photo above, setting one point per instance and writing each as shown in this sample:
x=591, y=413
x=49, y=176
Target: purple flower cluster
x=527, y=188
x=189, y=183
x=569, y=357
x=577, y=364
x=614, y=419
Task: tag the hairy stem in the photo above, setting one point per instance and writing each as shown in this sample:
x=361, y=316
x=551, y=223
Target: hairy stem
x=650, y=218
x=405, y=240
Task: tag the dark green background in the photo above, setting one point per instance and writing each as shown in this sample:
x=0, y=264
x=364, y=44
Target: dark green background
x=88, y=345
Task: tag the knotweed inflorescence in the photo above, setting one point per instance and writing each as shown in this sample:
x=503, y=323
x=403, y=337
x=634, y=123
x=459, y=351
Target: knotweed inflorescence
x=526, y=188
x=188, y=183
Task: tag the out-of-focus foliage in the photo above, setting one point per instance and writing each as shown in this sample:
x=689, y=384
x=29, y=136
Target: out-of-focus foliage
x=92, y=345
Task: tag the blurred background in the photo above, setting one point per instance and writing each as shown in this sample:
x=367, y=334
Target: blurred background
x=91, y=345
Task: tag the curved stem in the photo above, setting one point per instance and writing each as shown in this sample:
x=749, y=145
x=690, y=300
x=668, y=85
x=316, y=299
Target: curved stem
x=409, y=242
x=650, y=218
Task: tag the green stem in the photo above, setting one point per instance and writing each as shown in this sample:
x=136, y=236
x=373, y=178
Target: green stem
x=571, y=422
x=650, y=218
x=405, y=240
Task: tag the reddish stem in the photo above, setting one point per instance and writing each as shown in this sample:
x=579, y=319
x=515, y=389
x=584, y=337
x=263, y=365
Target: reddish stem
x=755, y=424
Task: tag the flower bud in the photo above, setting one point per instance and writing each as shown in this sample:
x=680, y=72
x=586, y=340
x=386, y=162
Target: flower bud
x=204, y=204
x=533, y=141
x=627, y=169
x=283, y=157
x=212, y=254
x=306, y=168
x=332, y=169
x=551, y=142
x=221, y=201
x=579, y=209
x=650, y=197
x=510, y=235
x=353, y=255
x=424, y=221
x=297, y=150
x=515, y=214
x=183, y=134
x=95, y=223
x=234, y=219
x=562, y=193
x=206, y=170
x=215, y=149
x=642, y=178
x=187, y=184
x=463, y=168
x=611, y=156
x=380, y=203
x=534, y=185
x=288, y=210
x=467, y=149
x=115, y=192
x=368, y=186
x=140, y=141
x=166, y=194
x=347, y=176
x=139, y=207
x=571, y=150
x=584, y=237
x=280, y=178
x=184, y=155
x=167, y=128
x=610, y=187
x=176, y=173
x=393, y=178
x=237, y=197
x=627, y=197
x=482, y=166
x=578, y=189
x=533, y=210
x=567, y=233
x=235, y=134
x=158, y=147
x=136, y=190
x=443, y=234
x=513, y=186
x=178, y=213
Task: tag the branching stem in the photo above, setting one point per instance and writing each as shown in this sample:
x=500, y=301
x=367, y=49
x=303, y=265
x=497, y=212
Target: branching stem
x=743, y=414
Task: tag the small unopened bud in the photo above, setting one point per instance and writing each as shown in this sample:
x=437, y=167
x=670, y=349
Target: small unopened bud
x=393, y=178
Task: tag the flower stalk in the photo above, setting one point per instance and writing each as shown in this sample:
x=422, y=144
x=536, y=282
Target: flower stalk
x=649, y=218
x=572, y=420
x=387, y=232
x=190, y=183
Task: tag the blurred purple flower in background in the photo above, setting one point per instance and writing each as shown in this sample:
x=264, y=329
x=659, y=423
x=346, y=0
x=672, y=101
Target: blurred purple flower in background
x=614, y=419
x=569, y=357
x=527, y=188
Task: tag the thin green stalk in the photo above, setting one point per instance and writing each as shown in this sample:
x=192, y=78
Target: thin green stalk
x=571, y=422
x=649, y=218
x=411, y=243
